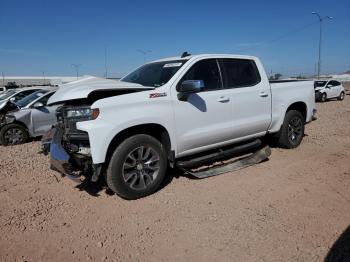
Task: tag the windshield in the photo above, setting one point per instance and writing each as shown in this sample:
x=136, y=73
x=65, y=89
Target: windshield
x=28, y=99
x=154, y=74
x=320, y=83
x=7, y=94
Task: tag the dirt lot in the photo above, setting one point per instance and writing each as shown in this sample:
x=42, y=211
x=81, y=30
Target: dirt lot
x=293, y=207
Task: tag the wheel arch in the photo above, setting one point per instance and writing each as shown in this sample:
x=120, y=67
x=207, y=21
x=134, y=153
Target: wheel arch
x=298, y=106
x=155, y=130
x=16, y=122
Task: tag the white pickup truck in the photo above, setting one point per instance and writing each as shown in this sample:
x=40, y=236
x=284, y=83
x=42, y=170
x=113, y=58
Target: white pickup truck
x=169, y=110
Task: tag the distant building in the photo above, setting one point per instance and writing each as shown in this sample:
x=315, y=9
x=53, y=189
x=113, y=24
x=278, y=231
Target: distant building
x=340, y=77
x=38, y=80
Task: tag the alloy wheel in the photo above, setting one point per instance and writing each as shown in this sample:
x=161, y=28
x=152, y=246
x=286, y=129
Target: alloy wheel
x=295, y=130
x=141, y=167
x=14, y=136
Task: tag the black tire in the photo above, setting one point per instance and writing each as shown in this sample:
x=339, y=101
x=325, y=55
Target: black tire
x=13, y=134
x=341, y=96
x=323, y=97
x=292, y=131
x=128, y=174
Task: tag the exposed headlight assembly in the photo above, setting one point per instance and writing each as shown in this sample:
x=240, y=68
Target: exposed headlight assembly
x=83, y=113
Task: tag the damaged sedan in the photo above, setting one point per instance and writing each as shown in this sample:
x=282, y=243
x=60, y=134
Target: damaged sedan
x=26, y=118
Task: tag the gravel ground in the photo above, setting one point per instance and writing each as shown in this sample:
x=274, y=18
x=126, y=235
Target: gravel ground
x=294, y=207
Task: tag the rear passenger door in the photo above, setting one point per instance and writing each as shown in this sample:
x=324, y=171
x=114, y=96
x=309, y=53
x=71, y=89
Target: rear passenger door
x=251, y=96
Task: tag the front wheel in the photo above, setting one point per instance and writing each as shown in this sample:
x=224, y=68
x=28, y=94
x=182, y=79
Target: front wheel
x=341, y=96
x=137, y=167
x=292, y=130
x=324, y=97
x=13, y=134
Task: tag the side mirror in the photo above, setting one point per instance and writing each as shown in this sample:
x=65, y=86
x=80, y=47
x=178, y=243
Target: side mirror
x=189, y=87
x=12, y=99
x=38, y=104
x=329, y=86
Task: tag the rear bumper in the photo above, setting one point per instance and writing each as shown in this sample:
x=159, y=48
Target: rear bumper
x=318, y=96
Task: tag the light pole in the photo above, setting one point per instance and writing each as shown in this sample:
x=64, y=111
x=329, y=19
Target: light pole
x=320, y=18
x=144, y=52
x=44, y=76
x=76, y=66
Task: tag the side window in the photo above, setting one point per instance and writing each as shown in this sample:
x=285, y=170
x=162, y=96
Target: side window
x=208, y=72
x=23, y=94
x=240, y=73
x=333, y=83
x=336, y=83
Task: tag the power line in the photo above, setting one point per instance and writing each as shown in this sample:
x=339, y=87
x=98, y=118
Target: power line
x=280, y=37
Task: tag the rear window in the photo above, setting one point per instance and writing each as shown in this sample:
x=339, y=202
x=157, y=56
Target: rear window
x=240, y=73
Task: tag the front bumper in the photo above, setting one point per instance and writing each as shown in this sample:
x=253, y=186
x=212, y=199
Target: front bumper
x=60, y=160
x=66, y=163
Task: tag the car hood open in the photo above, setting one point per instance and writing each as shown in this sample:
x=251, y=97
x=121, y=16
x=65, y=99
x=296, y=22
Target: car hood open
x=82, y=88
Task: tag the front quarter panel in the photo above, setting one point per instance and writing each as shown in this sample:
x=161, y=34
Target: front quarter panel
x=24, y=116
x=121, y=112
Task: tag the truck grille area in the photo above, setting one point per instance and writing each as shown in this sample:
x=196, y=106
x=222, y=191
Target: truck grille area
x=73, y=139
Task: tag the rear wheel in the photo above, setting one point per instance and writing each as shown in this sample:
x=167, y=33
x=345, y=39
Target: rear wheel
x=324, y=97
x=292, y=130
x=341, y=96
x=137, y=167
x=13, y=134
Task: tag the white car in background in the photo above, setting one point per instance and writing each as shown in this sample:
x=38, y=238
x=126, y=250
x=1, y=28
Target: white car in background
x=327, y=89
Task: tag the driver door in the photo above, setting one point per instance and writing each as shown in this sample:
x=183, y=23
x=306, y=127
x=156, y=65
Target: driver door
x=332, y=92
x=204, y=118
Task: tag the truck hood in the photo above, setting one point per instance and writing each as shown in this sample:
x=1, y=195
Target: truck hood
x=81, y=89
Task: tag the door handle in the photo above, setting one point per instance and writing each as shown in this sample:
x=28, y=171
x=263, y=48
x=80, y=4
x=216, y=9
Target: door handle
x=263, y=94
x=223, y=99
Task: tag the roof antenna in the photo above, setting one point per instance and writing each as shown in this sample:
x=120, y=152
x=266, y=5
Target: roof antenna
x=184, y=54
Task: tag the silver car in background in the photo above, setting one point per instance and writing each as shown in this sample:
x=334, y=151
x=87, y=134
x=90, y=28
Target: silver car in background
x=16, y=94
x=32, y=118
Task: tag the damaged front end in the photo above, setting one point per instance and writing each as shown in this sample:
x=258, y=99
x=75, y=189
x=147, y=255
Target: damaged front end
x=68, y=147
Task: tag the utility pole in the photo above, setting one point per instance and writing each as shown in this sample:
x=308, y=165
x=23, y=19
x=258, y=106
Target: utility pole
x=321, y=19
x=144, y=53
x=3, y=78
x=76, y=66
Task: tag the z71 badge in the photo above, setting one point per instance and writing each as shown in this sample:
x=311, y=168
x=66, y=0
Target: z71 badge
x=155, y=95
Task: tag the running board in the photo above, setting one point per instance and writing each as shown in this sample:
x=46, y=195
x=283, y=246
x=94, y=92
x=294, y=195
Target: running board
x=215, y=156
x=255, y=158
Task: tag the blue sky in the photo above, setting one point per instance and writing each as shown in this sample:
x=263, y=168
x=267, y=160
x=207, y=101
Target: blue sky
x=51, y=35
